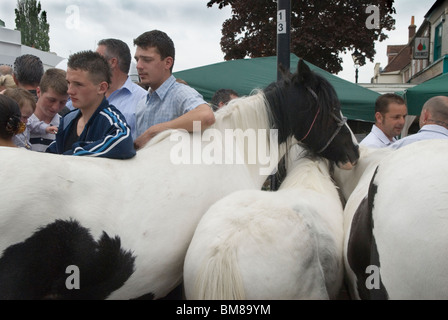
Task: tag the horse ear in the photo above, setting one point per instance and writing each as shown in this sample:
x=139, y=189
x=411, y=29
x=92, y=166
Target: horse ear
x=303, y=71
x=283, y=71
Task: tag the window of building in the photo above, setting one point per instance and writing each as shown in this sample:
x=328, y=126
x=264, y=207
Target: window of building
x=438, y=42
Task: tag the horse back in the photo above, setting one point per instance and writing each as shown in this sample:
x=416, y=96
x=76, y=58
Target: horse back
x=396, y=246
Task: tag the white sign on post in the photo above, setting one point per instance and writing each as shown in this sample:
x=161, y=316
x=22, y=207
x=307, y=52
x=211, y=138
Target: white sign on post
x=281, y=22
x=421, y=48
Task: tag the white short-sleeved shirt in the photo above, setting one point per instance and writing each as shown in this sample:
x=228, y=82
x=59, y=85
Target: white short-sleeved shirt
x=377, y=139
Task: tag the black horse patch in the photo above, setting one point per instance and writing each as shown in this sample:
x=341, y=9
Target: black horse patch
x=63, y=261
x=362, y=251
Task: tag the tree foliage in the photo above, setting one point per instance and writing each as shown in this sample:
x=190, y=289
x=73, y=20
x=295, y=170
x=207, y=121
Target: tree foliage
x=320, y=30
x=33, y=25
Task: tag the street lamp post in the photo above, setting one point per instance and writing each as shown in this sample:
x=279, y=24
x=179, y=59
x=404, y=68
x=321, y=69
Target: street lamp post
x=356, y=57
x=356, y=72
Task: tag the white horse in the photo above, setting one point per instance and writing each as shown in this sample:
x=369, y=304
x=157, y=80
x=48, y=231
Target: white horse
x=396, y=218
x=81, y=227
x=271, y=245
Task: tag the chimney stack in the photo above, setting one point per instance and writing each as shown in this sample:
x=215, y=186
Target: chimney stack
x=412, y=29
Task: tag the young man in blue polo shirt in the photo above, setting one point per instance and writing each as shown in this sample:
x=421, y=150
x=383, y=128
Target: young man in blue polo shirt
x=94, y=128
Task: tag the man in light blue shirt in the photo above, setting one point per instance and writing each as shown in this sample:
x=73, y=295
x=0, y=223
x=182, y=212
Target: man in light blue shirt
x=126, y=99
x=390, y=115
x=433, y=122
x=169, y=104
x=123, y=93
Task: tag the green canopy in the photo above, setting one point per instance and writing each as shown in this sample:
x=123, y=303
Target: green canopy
x=417, y=96
x=245, y=75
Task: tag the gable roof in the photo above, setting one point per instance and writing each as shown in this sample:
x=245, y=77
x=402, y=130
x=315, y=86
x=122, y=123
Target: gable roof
x=401, y=60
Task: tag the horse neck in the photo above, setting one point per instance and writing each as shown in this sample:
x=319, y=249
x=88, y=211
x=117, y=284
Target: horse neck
x=369, y=159
x=310, y=174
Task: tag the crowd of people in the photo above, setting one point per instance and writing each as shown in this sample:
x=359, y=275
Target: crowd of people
x=94, y=108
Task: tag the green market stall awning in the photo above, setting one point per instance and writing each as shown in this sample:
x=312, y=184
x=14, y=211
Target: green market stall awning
x=245, y=75
x=417, y=96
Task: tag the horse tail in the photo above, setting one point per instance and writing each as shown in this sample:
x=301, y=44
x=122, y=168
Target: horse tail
x=220, y=278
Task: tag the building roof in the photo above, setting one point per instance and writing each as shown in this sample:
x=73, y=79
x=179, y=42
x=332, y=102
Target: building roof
x=434, y=6
x=401, y=60
x=401, y=55
x=395, y=49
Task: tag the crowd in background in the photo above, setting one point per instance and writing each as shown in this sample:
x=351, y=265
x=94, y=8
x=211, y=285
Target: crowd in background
x=94, y=108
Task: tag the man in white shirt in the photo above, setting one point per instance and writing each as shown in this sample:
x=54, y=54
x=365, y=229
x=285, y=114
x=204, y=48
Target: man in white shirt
x=390, y=114
x=433, y=122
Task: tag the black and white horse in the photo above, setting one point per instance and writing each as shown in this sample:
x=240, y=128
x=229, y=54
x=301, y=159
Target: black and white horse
x=282, y=245
x=80, y=227
x=396, y=221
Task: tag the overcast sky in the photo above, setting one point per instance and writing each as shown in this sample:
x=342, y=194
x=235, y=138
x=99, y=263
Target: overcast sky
x=77, y=25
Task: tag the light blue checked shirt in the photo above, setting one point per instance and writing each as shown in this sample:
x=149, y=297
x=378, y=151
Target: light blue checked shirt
x=170, y=101
x=125, y=99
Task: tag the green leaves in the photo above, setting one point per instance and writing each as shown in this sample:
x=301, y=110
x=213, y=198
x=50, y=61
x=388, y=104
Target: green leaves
x=33, y=25
x=320, y=30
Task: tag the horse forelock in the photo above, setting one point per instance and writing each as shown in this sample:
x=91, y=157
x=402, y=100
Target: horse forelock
x=279, y=104
x=328, y=105
x=329, y=95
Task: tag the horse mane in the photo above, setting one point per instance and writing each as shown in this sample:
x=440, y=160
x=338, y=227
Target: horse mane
x=244, y=113
x=308, y=86
x=247, y=112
